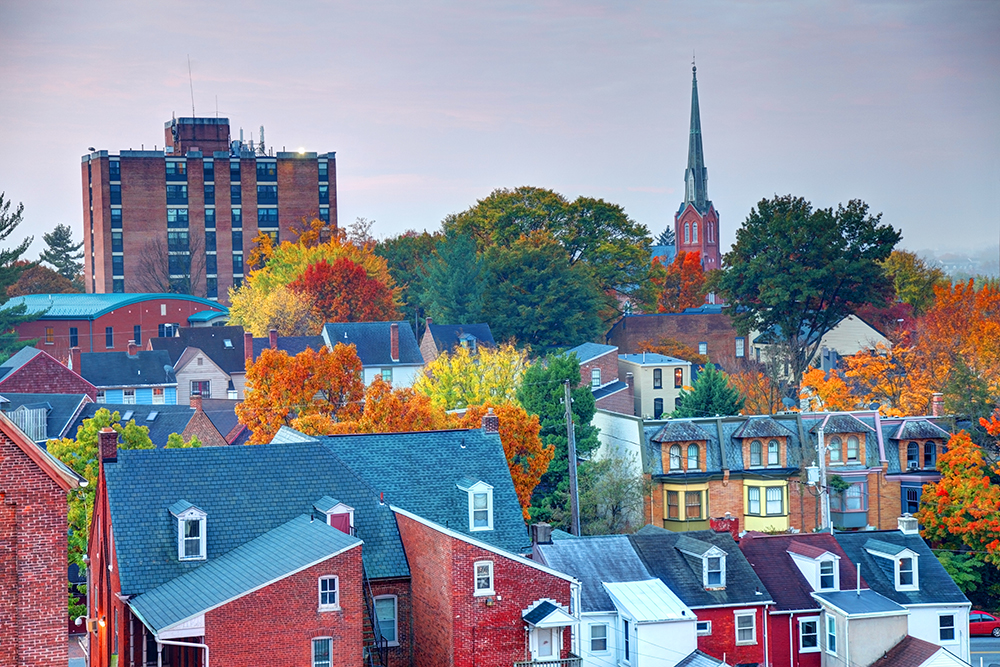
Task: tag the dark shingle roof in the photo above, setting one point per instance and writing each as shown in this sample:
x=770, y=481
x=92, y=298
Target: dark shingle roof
x=291, y=344
x=609, y=389
x=761, y=427
x=909, y=652
x=593, y=561
x=211, y=341
x=446, y=336
x=657, y=548
x=168, y=419
x=246, y=492
x=769, y=558
x=936, y=586
x=18, y=359
x=118, y=369
x=679, y=431
x=842, y=424
x=540, y=612
x=919, y=428
x=372, y=340
x=864, y=602
x=222, y=412
x=589, y=351
x=420, y=473
x=61, y=409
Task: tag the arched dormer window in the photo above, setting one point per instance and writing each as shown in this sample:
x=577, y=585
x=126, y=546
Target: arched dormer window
x=675, y=457
x=930, y=454
x=772, y=453
x=694, y=232
x=693, y=462
x=687, y=232
x=912, y=456
x=836, y=450
x=756, y=454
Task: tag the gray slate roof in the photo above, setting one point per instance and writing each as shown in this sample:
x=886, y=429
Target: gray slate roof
x=118, y=369
x=699, y=659
x=61, y=409
x=18, y=359
x=211, y=341
x=421, y=473
x=290, y=344
x=918, y=428
x=246, y=492
x=372, y=340
x=588, y=351
x=657, y=548
x=678, y=431
x=936, y=586
x=842, y=424
x=168, y=418
x=761, y=427
x=446, y=336
x=609, y=389
x=299, y=543
x=593, y=561
x=868, y=602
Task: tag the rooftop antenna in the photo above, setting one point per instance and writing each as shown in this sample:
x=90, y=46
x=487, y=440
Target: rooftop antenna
x=216, y=107
x=191, y=82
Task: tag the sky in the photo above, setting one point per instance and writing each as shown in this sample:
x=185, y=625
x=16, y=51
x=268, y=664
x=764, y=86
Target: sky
x=432, y=105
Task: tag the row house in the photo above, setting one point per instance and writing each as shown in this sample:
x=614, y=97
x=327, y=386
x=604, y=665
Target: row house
x=753, y=469
x=133, y=377
x=34, y=371
x=599, y=371
x=208, y=361
x=659, y=380
x=44, y=416
x=392, y=550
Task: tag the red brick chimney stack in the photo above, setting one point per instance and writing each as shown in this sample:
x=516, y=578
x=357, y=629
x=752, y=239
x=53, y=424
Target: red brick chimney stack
x=937, y=404
x=74, y=359
x=273, y=338
x=133, y=349
x=428, y=322
x=491, y=423
x=108, y=444
x=196, y=402
x=394, y=341
x=248, y=347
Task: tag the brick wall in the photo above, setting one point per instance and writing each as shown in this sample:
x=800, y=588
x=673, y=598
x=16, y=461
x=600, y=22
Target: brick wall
x=428, y=350
x=33, y=558
x=622, y=402
x=203, y=427
x=402, y=655
x=298, y=194
x=144, y=223
x=804, y=505
x=608, y=363
x=722, y=641
x=44, y=375
x=477, y=634
x=725, y=496
x=276, y=624
x=688, y=328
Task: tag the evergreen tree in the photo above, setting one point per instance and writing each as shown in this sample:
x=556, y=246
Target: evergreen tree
x=62, y=253
x=666, y=237
x=407, y=256
x=10, y=272
x=453, y=286
x=542, y=393
x=711, y=396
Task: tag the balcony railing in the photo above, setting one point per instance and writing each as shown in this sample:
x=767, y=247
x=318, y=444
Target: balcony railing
x=570, y=661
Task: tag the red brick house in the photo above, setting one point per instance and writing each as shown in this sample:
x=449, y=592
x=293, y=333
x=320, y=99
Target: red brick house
x=395, y=549
x=32, y=551
x=32, y=371
x=599, y=371
x=706, y=329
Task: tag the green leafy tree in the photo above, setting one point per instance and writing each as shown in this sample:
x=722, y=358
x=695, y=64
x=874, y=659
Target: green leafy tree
x=612, y=491
x=542, y=393
x=11, y=269
x=712, y=395
x=62, y=254
x=176, y=441
x=796, y=271
x=537, y=297
x=913, y=279
x=455, y=280
x=407, y=256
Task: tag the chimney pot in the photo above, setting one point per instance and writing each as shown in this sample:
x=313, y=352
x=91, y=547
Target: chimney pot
x=133, y=349
x=491, y=423
x=428, y=321
x=108, y=444
x=196, y=402
x=74, y=359
x=541, y=533
x=248, y=346
x=394, y=341
x=272, y=336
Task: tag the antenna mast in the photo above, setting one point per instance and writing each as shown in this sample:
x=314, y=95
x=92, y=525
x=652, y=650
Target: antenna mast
x=191, y=82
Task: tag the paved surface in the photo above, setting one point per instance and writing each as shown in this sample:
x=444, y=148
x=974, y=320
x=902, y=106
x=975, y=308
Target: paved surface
x=987, y=649
x=77, y=658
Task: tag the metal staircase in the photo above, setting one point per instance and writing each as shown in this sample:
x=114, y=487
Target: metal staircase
x=375, y=647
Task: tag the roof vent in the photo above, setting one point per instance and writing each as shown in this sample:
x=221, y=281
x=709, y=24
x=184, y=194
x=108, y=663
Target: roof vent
x=908, y=525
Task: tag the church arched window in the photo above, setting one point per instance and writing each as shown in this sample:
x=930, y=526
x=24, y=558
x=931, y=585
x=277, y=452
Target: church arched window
x=709, y=232
x=694, y=232
x=687, y=233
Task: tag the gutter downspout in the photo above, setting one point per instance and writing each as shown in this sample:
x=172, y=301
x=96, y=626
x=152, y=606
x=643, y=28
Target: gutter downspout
x=161, y=642
x=791, y=644
x=766, y=623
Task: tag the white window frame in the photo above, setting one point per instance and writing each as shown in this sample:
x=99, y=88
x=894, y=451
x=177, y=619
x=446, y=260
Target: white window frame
x=480, y=488
x=395, y=613
x=831, y=632
x=722, y=570
x=192, y=514
x=605, y=638
x=480, y=592
x=834, y=575
x=752, y=615
x=700, y=632
x=312, y=651
x=159, y=399
x=127, y=398
x=741, y=350
x=329, y=606
x=386, y=375
x=810, y=619
x=675, y=461
x=627, y=644
x=953, y=626
x=595, y=377
x=915, y=586
x=768, y=501
x=777, y=453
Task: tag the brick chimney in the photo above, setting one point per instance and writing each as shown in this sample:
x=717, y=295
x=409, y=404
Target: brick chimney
x=272, y=336
x=937, y=404
x=394, y=341
x=108, y=444
x=428, y=322
x=74, y=359
x=133, y=349
x=196, y=402
x=248, y=347
x=491, y=423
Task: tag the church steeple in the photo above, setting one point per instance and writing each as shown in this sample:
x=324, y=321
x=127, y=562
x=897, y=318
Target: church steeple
x=696, y=175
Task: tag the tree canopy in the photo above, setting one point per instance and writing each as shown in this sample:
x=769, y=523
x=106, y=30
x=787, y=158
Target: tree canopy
x=37, y=279
x=63, y=254
x=680, y=284
x=406, y=256
x=454, y=282
x=462, y=378
x=796, y=271
x=710, y=396
x=11, y=269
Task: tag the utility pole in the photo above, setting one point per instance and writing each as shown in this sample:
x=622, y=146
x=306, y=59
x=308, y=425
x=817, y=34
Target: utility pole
x=574, y=495
x=824, y=490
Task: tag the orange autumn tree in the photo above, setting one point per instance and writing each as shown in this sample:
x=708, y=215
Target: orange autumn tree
x=762, y=396
x=891, y=377
x=826, y=391
x=390, y=410
x=962, y=511
x=679, y=285
x=308, y=391
x=527, y=457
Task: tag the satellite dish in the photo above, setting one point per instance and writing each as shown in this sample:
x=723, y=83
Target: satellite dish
x=789, y=402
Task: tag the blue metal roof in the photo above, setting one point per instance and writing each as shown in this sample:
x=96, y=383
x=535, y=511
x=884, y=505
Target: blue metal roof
x=588, y=351
x=864, y=602
x=207, y=315
x=92, y=306
x=653, y=358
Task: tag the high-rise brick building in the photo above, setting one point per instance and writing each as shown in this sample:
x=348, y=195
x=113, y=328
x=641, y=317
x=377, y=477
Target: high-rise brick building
x=184, y=218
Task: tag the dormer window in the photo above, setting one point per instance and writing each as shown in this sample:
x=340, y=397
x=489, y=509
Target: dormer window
x=756, y=454
x=853, y=447
x=912, y=456
x=480, y=504
x=827, y=575
x=772, y=453
x=898, y=560
x=714, y=574
x=337, y=514
x=819, y=567
x=693, y=461
x=905, y=576
x=836, y=451
x=191, y=533
x=675, y=457
x=930, y=454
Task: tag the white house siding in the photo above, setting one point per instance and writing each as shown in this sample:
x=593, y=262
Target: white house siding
x=207, y=371
x=923, y=624
x=851, y=336
x=402, y=376
x=665, y=644
x=607, y=658
x=619, y=435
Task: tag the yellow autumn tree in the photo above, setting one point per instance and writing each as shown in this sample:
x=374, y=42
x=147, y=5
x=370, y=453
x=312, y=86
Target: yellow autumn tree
x=462, y=378
x=289, y=312
x=826, y=391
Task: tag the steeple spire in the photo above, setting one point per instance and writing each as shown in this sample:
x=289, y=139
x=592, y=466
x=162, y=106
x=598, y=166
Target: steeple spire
x=696, y=175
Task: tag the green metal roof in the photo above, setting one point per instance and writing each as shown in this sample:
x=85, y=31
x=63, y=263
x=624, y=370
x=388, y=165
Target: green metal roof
x=92, y=306
x=278, y=553
x=207, y=315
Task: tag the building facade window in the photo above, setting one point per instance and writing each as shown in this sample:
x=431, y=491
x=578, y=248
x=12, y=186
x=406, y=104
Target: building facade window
x=128, y=396
x=116, y=194
x=386, y=375
x=109, y=337
x=853, y=448
x=675, y=457
x=137, y=334
x=746, y=628
x=177, y=194
x=678, y=378
x=237, y=240
x=809, y=634
x=912, y=456
x=703, y=627
x=267, y=194
x=114, y=170
x=324, y=194
x=687, y=232
x=831, y=635
x=753, y=500
x=210, y=218
x=211, y=264
x=930, y=454
x=387, y=612
x=772, y=453
x=324, y=170
x=50, y=336
x=692, y=505
x=911, y=501
x=827, y=579
x=176, y=170
x=946, y=628
x=117, y=265
x=598, y=638
x=693, y=462
x=116, y=218
x=210, y=242
x=905, y=572
x=208, y=170
x=741, y=347
x=267, y=171
x=116, y=242
x=321, y=652
x=756, y=454
x=657, y=378
x=177, y=218
x=595, y=377
x=328, y=593
x=74, y=337
x=703, y=348
x=267, y=217
x=694, y=232
x=118, y=285
x=158, y=396
x=775, y=501
x=210, y=194
x=673, y=505
x=234, y=171
x=237, y=265
x=713, y=572
x=324, y=214
x=836, y=451
x=484, y=577
x=192, y=538
x=201, y=388
x=657, y=408
x=235, y=194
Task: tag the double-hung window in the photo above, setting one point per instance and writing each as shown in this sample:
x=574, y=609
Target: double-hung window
x=675, y=457
x=753, y=500
x=853, y=447
x=772, y=453
x=746, y=628
x=831, y=635
x=775, y=500
x=598, y=638
x=692, y=505
x=678, y=378
x=328, y=593
x=321, y=652
x=905, y=571
x=826, y=576
x=595, y=377
x=809, y=634
x=484, y=577
x=946, y=628
x=756, y=454
x=480, y=505
x=387, y=611
x=673, y=505
x=657, y=378
x=692, y=462
x=714, y=571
